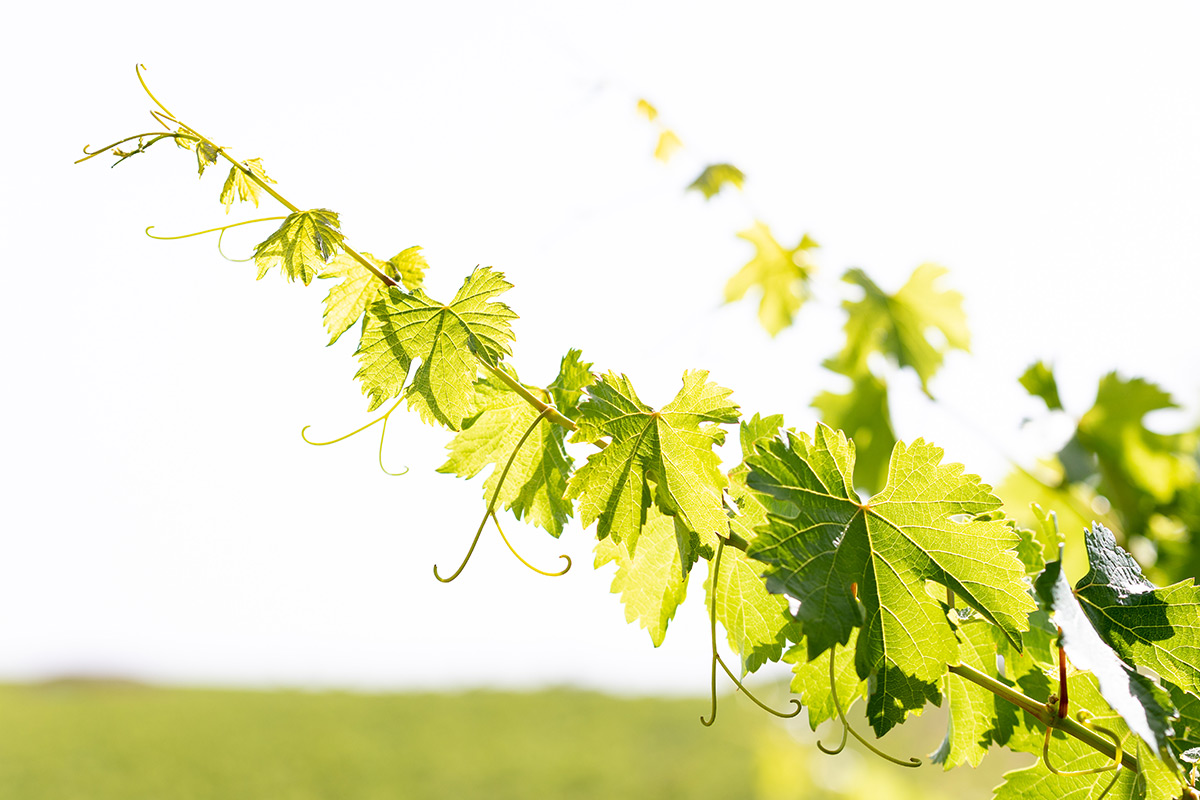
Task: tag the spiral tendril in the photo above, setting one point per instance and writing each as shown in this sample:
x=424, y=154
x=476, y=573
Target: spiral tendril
x=492, y=504
x=846, y=727
x=513, y=550
x=1084, y=717
x=382, y=434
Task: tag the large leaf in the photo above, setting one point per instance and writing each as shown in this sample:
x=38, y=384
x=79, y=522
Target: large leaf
x=898, y=325
x=536, y=485
x=359, y=287
x=302, y=245
x=451, y=340
x=782, y=275
x=1154, y=780
x=855, y=564
x=1146, y=708
x=652, y=582
x=671, y=447
x=1144, y=624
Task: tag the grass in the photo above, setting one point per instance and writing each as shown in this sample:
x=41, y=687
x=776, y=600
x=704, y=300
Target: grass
x=89, y=741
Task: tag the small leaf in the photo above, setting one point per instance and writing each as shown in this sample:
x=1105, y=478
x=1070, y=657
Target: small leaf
x=206, y=154
x=782, y=276
x=1039, y=381
x=574, y=375
x=668, y=143
x=242, y=185
x=1145, y=707
x=810, y=680
x=715, y=177
x=408, y=266
x=646, y=110
x=302, y=246
x=653, y=581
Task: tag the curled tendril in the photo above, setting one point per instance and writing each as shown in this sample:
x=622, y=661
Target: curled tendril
x=382, y=434
x=716, y=657
x=492, y=504
x=1084, y=718
x=154, y=136
x=912, y=762
x=512, y=550
x=146, y=88
x=220, y=239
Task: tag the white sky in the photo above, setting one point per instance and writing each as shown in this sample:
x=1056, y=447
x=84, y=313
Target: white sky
x=162, y=518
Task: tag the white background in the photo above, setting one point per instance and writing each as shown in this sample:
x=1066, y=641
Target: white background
x=162, y=518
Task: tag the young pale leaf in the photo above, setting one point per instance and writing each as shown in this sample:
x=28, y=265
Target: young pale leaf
x=1039, y=381
x=972, y=708
x=408, y=266
x=302, y=246
x=782, y=275
x=1154, y=781
x=668, y=143
x=863, y=414
x=536, y=484
x=810, y=680
x=1145, y=625
x=756, y=622
x=239, y=185
x=451, y=340
x=574, y=375
x=853, y=564
x=671, y=447
x=646, y=110
x=383, y=361
x=653, y=581
x=715, y=177
x=206, y=153
x=360, y=287
x=1145, y=707
x=896, y=325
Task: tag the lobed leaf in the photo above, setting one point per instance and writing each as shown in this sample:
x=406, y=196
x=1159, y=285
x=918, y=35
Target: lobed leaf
x=241, y=186
x=715, y=177
x=864, y=415
x=782, y=275
x=302, y=245
x=756, y=622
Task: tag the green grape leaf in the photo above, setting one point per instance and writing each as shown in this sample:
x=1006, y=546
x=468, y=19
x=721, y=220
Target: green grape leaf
x=653, y=581
x=383, y=361
x=1138, y=467
x=359, y=287
x=239, y=186
x=668, y=144
x=1154, y=781
x=206, y=153
x=863, y=414
x=574, y=375
x=1039, y=381
x=671, y=447
x=1187, y=727
x=810, y=680
x=302, y=246
x=853, y=564
x=897, y=325
x=536, y=484
x=1145, y=707
x=972, y=719
x=715, y=177
x=751, y=508
x=782, y=275
x=1143, y=624
x=450, y=340
x=756, y=622
x=408, y=266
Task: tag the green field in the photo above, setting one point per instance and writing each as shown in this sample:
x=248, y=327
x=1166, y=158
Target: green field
x=114, y=741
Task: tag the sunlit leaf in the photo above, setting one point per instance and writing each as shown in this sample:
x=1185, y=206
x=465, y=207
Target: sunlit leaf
x=302, y=245
x=715, y=177
x=781, y=275
x=756, y=622
x=668, y=143
x=646, y=110
x=1039, y=381
x=240, y=186
x=863, y=414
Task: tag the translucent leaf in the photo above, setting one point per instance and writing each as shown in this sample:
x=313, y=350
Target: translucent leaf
x=781, y=275
x=972, y=718
x=668, y=143
x=302, y=245
x=671, y=447
x=240, y=186
x=451, y=340
x=864, y=415
x=574, y=375
x=715, y=177
x=810, y=680
x=756, y=622
x=898, y=325
x=408, y=266
x=347, y=300
x=862, y=565
x=652, y=582
x=1039, y=381
x=646, y=110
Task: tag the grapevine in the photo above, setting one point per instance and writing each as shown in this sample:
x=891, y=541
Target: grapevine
x=881, y=573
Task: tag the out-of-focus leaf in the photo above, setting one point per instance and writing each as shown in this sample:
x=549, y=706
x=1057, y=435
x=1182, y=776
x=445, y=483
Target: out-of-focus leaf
x=668, y=143
x=782, y=275
x=864, y=415
x=714, y=178
x=1039, y=381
